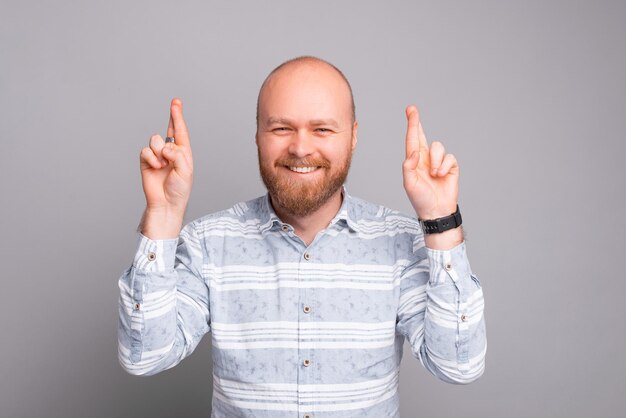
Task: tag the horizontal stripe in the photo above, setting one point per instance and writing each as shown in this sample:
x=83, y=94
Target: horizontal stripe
x=302, y=325
x=322, y=397
x=334, y=345
x=311, y=389
x=249, y=285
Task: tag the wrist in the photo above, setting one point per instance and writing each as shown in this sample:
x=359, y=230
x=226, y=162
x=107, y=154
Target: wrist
x=438, y=213
x=158, y=224
x=445, y=240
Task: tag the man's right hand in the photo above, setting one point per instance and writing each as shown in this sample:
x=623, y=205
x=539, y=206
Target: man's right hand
x=167, y=177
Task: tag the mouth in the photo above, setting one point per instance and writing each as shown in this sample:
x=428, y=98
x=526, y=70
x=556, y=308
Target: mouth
x=303, y=170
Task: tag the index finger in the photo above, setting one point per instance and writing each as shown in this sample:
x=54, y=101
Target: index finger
x=422, y=137
x=415, y=138
x=177, y=127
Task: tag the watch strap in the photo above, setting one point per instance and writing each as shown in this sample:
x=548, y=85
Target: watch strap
x=435, y=226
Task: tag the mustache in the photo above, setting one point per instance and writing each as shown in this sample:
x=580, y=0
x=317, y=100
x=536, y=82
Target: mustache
x=304, y=162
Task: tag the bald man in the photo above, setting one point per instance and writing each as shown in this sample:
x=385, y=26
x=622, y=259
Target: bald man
x=307, y=291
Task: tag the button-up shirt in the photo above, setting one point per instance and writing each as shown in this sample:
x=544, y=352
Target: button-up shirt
x=296, y=330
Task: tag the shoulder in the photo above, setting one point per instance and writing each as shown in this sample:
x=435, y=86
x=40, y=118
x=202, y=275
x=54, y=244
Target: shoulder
x=372, y=216
x=241, y=214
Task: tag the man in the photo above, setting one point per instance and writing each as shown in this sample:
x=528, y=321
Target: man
x=307, y=291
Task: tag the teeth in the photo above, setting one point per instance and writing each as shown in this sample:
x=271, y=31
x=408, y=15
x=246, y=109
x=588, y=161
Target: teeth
x=303, y=169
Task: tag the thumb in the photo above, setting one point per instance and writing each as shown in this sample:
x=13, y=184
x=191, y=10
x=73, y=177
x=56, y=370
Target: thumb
x=176, y=159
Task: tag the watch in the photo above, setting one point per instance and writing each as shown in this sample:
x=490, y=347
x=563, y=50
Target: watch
x=435, y=226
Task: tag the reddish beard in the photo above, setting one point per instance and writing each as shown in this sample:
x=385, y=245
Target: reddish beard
x=303, y=197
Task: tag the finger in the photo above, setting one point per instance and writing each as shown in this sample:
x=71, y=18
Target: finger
x=177, y=158
x=437, y=152
x=422, y=136
x=157, y=143
x=170, y=126
x=412, y=130
x=147, y=159
x=180, y=128
x=448, y=166
x=410, y=164
x=409, y=170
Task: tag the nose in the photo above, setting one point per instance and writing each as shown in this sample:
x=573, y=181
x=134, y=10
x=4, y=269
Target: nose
x=301, y=144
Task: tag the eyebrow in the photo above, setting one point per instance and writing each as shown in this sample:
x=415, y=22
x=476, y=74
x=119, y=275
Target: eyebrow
x=315, y=122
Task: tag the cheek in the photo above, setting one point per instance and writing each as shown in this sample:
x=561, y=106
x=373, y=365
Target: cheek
x=268, y=151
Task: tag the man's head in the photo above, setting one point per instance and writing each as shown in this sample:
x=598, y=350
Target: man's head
x=306, y=133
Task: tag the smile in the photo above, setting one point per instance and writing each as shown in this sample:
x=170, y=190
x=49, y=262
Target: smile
x=303, y=169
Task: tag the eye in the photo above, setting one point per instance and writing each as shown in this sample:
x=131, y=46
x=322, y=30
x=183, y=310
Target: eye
x=280, y=129
x=323, y=130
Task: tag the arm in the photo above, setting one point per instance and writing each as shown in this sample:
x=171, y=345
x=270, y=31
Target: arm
x=441, y=313
x=163, y=304
x=164, y=301
x=441, y=301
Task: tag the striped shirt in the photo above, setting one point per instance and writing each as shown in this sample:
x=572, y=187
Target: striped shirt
x=296, y=330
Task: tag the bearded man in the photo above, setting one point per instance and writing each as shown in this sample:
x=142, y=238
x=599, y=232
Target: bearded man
x=307, y=291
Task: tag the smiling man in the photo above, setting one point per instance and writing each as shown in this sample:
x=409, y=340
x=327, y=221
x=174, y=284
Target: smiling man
x=307, y=291
x=306, y=133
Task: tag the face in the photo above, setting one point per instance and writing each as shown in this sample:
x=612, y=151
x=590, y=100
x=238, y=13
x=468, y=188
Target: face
x=305, y=136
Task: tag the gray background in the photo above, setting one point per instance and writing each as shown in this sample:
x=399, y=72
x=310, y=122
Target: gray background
x=528, y=95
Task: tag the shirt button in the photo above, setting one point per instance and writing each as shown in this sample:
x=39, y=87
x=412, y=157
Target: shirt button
x=463, y=317
x=285, y=228
x=306, y=362
x=448, y=266
x=306, y=309
x=137, y=306
x=307, y=416
x=307, y=256
x=151, y=256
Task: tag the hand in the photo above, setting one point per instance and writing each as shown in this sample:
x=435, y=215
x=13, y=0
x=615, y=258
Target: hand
x=167, y=169
x=431, y=177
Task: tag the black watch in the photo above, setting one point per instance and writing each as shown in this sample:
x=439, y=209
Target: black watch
x=435, y=226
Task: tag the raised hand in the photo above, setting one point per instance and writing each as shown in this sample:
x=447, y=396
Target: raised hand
x=167, y=176
x=431, y=177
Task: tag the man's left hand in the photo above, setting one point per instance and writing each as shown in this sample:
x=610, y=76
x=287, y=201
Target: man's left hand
x=431, y=177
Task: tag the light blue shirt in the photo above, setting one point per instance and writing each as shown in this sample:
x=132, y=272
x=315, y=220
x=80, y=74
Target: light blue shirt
x=296, y=330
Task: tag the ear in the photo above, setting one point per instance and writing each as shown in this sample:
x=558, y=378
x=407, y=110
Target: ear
x=355, y=127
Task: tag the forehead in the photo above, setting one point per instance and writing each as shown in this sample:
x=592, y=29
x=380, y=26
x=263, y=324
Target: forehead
x=305, y=91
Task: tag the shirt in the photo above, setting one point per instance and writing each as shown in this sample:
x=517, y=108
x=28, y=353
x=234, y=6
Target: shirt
x=302, y=331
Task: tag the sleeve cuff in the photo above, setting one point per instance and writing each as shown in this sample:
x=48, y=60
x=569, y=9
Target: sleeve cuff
x=155, y=255
x=444, y=264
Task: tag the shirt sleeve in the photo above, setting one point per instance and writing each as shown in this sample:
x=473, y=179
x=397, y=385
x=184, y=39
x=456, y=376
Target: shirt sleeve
x=441, y=313
x=163, y=303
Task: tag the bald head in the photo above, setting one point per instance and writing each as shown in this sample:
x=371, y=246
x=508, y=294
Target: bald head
x=290, y=73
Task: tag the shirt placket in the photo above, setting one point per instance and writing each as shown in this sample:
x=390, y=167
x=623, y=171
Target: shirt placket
x=306, y=353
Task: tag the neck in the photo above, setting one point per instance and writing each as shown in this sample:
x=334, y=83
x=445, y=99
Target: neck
x=308, y=226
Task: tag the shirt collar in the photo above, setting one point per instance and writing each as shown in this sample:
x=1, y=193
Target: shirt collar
x=346, y=214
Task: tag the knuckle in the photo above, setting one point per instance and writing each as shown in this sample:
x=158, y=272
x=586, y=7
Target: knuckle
x=155, y=140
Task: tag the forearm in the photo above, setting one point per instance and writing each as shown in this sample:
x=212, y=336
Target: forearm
x=163, y=309
x=454, y=329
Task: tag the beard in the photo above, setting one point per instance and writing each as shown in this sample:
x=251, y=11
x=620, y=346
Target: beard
x=303, y=197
